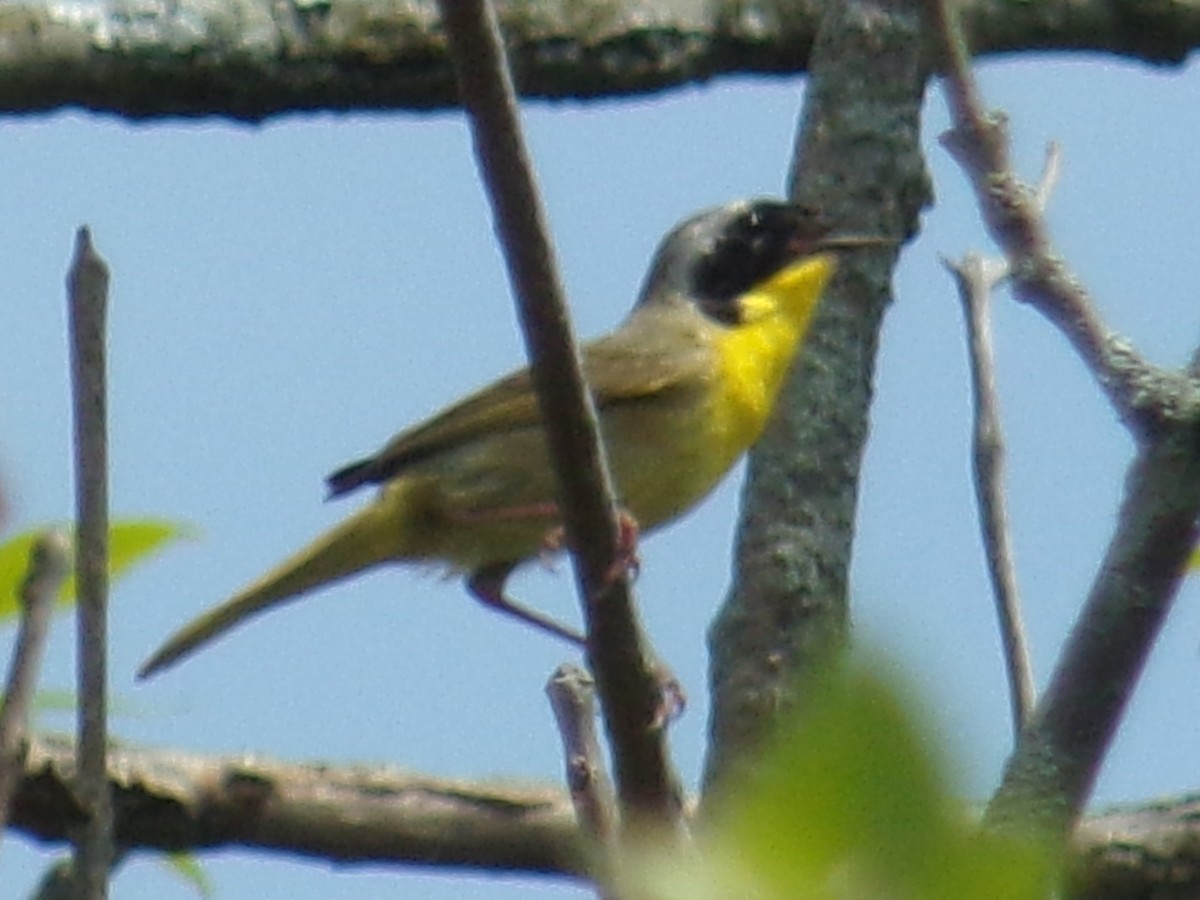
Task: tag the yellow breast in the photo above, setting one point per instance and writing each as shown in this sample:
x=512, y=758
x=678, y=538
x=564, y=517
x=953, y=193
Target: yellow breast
x=757, y=353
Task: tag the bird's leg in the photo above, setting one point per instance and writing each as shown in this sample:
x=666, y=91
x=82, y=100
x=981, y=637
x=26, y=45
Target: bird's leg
x=553, y=542
x=487, y=586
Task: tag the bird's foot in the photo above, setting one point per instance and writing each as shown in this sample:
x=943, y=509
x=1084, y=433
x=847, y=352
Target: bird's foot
x=626, y=561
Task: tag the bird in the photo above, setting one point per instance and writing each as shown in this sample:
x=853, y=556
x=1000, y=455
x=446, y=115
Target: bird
x=682, y=388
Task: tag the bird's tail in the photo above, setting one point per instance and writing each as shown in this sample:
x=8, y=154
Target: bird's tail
x=365, y=539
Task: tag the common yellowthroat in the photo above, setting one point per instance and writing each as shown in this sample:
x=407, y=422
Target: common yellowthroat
x=682, y=387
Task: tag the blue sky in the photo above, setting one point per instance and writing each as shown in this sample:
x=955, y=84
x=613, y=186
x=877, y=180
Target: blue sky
x=286, y=298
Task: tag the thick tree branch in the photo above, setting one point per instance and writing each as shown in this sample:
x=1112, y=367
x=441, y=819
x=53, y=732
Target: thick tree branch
x=169, y=800
x=257, y=58
x=1145, y=852
x=859, y=162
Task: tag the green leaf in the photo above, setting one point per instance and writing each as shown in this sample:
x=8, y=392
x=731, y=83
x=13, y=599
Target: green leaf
x=130, y=541
x=850, y=801
x=191, y=873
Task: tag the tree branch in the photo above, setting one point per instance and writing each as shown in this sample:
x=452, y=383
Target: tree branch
x=1145, y=851
x=1139, y=392
x=49, y=564
x=167, y=800
x=87, y=302
x=258, y=58
x=859, y=162
x=976, y=278
x=1050, y=775
x=171, y=800
x=572, y=697
x=627, y=679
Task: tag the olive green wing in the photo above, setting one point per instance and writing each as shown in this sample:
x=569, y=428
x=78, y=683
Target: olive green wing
x=625, y=365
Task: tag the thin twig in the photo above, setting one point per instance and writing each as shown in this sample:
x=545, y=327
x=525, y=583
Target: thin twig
x=976, y=278
x=1012, y=211
x=1051, y=169
x=87, y=289
x=571, y=693
x=49, y=563
x=618, y=653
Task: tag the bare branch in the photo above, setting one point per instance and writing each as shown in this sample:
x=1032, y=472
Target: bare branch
x=87, y=290
x=1049, y=777
x=259, y=59
x=49, y=563
x=172, y=800
x=977, y=278
x=571, y=697
x=348, y=815
x=1149, y=850
x=1141, y=394
x=618, y=652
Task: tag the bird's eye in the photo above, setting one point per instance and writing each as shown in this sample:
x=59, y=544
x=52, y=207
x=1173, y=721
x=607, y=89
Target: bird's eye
x=751, y=248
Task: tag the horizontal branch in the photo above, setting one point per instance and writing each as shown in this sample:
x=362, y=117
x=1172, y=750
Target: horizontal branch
x=1149, y=850
x=258, y=58
x=173, y=800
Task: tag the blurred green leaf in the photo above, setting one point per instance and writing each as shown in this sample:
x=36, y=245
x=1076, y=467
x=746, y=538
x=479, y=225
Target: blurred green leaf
x=189, y=870
x=54, y=701
x=130, y=541
x=851, y=801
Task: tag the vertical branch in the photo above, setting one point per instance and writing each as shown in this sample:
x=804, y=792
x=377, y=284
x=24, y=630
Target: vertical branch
x=976, y=279
x=858, y=161
x=626, y=678
x=87, y=289
x=571, y=695
x=49, y=563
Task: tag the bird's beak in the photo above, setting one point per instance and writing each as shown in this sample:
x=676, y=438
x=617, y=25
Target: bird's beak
x=807, y=245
